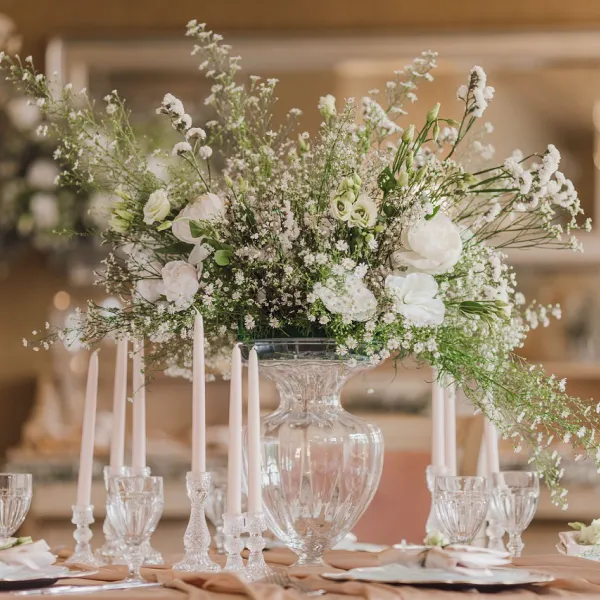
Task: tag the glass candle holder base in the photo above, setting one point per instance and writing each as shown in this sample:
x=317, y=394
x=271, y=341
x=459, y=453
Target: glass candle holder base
x=197, y=536
x=256, y=567
x=495, y=535
x=233, y=527
x=83, y=517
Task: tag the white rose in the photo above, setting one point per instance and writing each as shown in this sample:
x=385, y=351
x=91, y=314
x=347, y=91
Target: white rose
x=157, y=207
x=327, y=106
x=181, y=283
x=352, y=298
x=414, y=297
x=204, y=208
x=364, y=213
x=150, y=289
x=432, y=246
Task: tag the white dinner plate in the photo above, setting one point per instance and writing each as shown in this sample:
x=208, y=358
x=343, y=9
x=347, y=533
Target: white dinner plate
x=20, y=578
x=401, y=575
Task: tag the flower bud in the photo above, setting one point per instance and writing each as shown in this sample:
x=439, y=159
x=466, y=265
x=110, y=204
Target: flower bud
x=408, y=135
x=436, y=131
x=410, y=160
x=379, y=228
x=228, y=181
x=432, y=115
x=421, y=173
x=357, y=180
x=470, y=179
x=453, y=123
x=403, y=177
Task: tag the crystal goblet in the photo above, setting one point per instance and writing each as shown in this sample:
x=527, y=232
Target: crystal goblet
x=461, y=504
x=15, y=500
x=515, y=496
x=135, y=507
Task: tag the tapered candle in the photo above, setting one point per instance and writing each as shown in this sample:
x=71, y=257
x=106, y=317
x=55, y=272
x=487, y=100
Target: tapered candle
x=234, y=459
x=490, y=438
x=86, y=456
x=117, y=440
x=198, y=401
x=450, y=429
x=138, y=458
x=437, y=425
x=254, y=454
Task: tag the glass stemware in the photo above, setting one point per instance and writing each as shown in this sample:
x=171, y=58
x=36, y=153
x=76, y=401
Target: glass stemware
x=515, y=495
x=135, y=507
x=15, y=500
x=215, y=507
x=461, y=504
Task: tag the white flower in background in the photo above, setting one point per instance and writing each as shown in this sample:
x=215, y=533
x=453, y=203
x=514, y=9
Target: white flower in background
x=205, y=152
x=172, y=106
x=482, y=93
x=431, y=246
x=24, y=115
x=196, y=133
x=181, y=148
x=327, y=106
x=588, y=535
x=159, y=167
x=157, y=207
x=44, y=209
x=204, y=208
x=199, y=254
x=351, y=298
x=414, y=297
x=364, y=213
x=41, y=174
x=341, y=206
x=100, y=208
x=181, y=283
x=150, y=289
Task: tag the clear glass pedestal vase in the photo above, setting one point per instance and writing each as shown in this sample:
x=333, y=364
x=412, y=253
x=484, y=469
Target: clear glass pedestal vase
x=320, y=465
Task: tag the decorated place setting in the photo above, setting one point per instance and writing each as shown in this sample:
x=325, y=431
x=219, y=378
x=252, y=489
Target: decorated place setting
x=309, y=260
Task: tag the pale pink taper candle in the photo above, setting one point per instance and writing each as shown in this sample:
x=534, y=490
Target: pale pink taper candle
x=490, y=437
x=437, y=425
x=198, y=400
x=234, y=459
x=254, y=454
x=138, y=458
x=86, y=456
x=450, y=429
x=117, y=440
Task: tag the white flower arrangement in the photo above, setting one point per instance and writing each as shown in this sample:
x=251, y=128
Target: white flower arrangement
x=371, y=233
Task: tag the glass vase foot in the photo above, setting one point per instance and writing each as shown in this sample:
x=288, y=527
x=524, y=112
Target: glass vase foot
x=256, y=567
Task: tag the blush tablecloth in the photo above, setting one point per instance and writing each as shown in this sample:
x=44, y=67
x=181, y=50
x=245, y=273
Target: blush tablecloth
x=574, y=578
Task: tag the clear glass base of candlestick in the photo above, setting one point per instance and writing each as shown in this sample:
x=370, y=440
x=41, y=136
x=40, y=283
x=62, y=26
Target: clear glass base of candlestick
x=233, y=527
x=197, y=536
x=83, y=517
x=256, y=567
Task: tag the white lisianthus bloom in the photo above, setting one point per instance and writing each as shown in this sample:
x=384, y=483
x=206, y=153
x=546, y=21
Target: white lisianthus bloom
x=157, y=207
x=350, y=298
x=340, y=207
x=433, y=246
x=590, y=534
x=199, y=254
x=414, y=297
x=327, y=106
x=204, y=208
x=364, y=213
x=180, y=283
x=118, y=224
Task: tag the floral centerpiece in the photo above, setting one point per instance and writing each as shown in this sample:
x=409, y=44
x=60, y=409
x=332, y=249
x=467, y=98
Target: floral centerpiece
x=381, y=235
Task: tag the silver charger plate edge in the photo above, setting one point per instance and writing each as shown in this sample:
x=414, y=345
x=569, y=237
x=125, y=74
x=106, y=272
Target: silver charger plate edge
x=45, y=575
x=529, y=578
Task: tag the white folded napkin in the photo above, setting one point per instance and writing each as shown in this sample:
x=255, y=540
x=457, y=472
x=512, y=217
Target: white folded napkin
x=468, y=560
x=34, y=555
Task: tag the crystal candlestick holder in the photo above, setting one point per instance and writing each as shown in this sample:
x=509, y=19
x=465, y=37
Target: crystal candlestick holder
x=256, y=567
x=233, y=527
x=83, y=517
x=433, y=524
x=114, y=548
x=197, y=537
x=495, y=533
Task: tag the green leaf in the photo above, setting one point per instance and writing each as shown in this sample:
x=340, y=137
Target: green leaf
x=435, y=212
x=386, y=180
x=577, y=525
x=222, y=257
x=164, y=226
x=177, y=248
x=196, y=229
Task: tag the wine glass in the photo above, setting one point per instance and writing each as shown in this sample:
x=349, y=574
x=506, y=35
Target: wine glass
x=135, y=507
x=461, y=504
x=15, y=500
x=515, y=496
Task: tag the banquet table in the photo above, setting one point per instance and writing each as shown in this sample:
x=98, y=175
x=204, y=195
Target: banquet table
x=574, y=578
